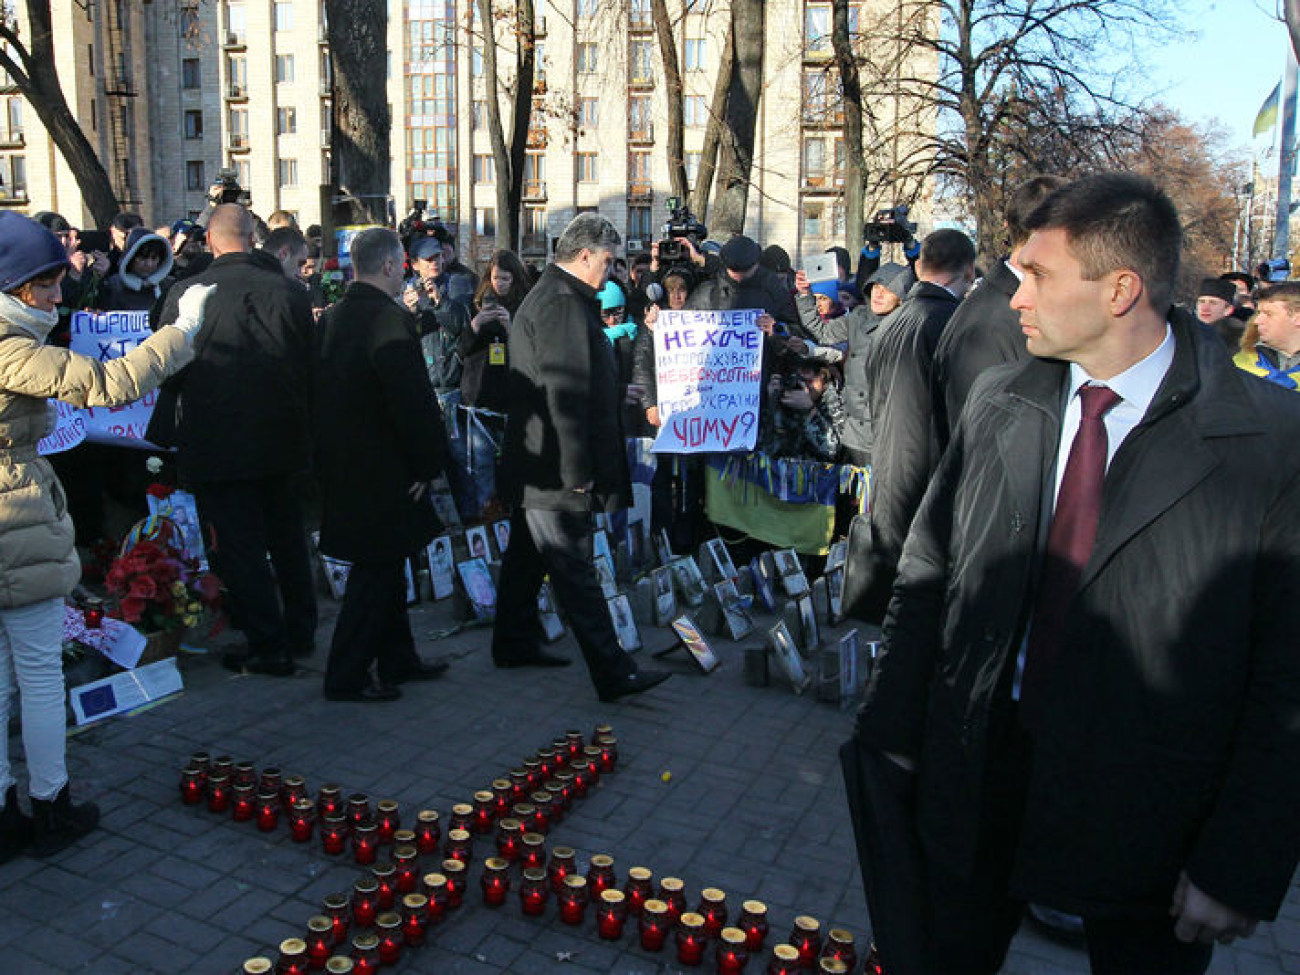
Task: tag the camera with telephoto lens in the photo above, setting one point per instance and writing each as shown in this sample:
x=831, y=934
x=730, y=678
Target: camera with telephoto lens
x=890, y=226
x=226, y=189
x=681, y=224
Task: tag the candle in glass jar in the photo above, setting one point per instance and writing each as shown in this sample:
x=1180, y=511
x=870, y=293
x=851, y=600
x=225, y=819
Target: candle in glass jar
x=546, y=762
x=562, y=865
x=385, y=875
x=435, y=888
x=592, y=754
x=192, y=780
x=365, y=843
x=753, y=921
x=608, y=755
x=462, y=817
x=365, y=901
x=459, y=846
x=454, y=871
x=691, y=938
x=257, y=965
x=600, y=874
x=532, y=851
x=333, y=834
x=404, y=837
x=268, y=811
x=638, y=889
x=601, y=731
x=561, y=748
x=872, y=965
x=389, y=930
x=654, y=924
x=509, y=839
x=222, y=765
x=218, y=792
x=840, y=944
x=543, y=812
x=495, y=881
x=336, y=909
x=534, y=769
x=320, y=940
x=581, y=770
x=365, y=954
x=293, y=789
x=518, y=785
x=302, y=818
x=428, y=831
x=293, y=957
x=201, y=761
x=358, y=809
x=485, y=808
x=569, y=791
x=575, y=743
x=388, y=819
x=340, y=965
x=831, y=966
x=784, y=961
x=415, y=918
x=243, y=806
x=611, y=914
x=573, y=899
x=271, y=780
x=244, y=774
x=732, y=955
x=533, y=889
x=502, y=797
x=92, y=614
x=406, y=869
x=329, y=801
x=713, y=908
x=807, y=938
x=672, y=892
x=556, y=791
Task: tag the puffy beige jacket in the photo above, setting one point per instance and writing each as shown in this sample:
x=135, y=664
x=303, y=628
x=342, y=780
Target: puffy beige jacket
x=37, y=558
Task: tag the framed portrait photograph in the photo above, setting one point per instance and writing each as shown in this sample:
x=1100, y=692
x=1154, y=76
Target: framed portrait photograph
x=787, y=655
x=444, y=505
x=501, y=532
x=835, y=557
x=605, y=576
x=690, y=582
x=735, y=610
x=795, y=584
x=787, y=562
x=834, y=595
x=693, y=640
x=636, y=544
x=620, y=613
x=476, y=539
x=665, y=596
x=663, y=547
x=547, y=613
x=720, y=559
x=764, y=597
x=442, y=567
x=810, y=632
x=477, y=580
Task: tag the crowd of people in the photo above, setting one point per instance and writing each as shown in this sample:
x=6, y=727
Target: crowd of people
x=1082, y=516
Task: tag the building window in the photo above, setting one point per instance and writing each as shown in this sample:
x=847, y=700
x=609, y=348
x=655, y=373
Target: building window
x=194, y=175
x=587, y=167
x=813, y=220
x=638, y=168
x=641, y=61
x=19, y=172
x=284, y=68
x=638, y=117
x=243, y=171
x=534, y=174
x=694, y=50
x=288, y=172
x=640, y=225
x=476, y=62
x=191, y=73
x=193, y=124
x=817, y=29
x=286, y=121
x=484, y=169
x=236, y=22
x=816, y=96
x=814, y=159
x=237, y=74
x=586, y=58
x=485, y=221
x=478, y=116
x=587, y=8
x=693, y=111
x=539, y=61
x=283, y=15
x=692, y=164
x=534, y=222
x=588, y=112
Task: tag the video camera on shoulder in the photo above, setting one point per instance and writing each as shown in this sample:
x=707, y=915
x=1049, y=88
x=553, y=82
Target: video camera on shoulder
x=681, y=224
x=416, y=224
x=226, y=189
x=890, y=226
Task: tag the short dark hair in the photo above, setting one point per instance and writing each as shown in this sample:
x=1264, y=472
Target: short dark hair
x=372, y=247
x=1023, y=200
x=947, y=250
x=1117, y=221
x=1283, y=292
x=126, y=221
x=290, y=237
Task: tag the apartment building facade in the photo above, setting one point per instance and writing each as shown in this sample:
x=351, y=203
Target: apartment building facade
x=170, y=94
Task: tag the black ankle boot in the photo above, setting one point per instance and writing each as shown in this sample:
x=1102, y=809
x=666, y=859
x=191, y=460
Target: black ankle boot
x=57, y=823
x=15, y=827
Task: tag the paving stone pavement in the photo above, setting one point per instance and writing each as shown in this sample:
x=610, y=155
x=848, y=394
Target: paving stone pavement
x=718, y=783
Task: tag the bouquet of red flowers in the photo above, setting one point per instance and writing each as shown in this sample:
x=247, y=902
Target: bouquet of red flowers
x=157, y=589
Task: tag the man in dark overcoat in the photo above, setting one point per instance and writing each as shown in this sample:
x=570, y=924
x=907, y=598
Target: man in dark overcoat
x=1090, y=673
x=563, y=458
x=379, y=442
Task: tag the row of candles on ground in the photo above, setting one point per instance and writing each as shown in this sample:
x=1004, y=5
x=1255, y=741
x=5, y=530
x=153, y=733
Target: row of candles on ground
x=388, y=911
x=521, y=807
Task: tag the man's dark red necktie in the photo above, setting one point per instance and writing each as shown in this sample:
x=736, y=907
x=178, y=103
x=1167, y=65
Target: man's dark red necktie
x=1069, y=544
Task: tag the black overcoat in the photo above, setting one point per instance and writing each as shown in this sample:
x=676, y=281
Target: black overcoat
x=1171, y=737
x=377, y=429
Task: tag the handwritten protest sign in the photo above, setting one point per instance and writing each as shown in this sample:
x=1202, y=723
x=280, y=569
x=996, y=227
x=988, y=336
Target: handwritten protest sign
x=709, y=371
x=105, y=336
x=69, y=431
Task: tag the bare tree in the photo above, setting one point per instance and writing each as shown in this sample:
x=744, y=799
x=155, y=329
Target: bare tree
x=854, y=109
x=362, y=122
x=700, y=192
x=676, y=93
x=509, y=156
x=1291, y=12
x=31, y=66
x=747, y=28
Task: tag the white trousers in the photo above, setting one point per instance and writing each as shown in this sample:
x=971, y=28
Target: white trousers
x=31, y=661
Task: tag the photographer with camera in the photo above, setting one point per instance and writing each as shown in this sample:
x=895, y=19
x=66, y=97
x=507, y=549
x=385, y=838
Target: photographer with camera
x=805, y=414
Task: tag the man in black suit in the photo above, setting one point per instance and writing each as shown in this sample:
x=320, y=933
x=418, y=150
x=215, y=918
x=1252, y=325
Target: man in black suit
x=563, y=457
x=1090, y=683
x=379, y=440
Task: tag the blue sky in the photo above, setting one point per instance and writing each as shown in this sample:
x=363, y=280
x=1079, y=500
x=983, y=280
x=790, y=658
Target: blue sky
x=1226, y=69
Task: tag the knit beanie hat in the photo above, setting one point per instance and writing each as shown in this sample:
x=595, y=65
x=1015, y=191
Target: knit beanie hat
x=1217, y=288
x=611, y=296
x=27, y=250
x=740, y=253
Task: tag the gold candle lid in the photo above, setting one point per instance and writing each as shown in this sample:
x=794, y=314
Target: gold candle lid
x=331, y=789
x=339, y=965
x=639, y=873
x=366, y=885
x=691, y=920
x=501, y=784
x=319, y=924
x=383, y=870
x=712, y=895
x=404, y=837
x=655, y=906
x=733, y=936
x=840, y=936
x=303, y=806
x=575, y=880
x=452, y=866
x=389, y=919
x=785, y=953
x=415, y=902
x=509, y=824
x=754, y=907
x=496, y=864
x=462, y=809
x=404, y=853
x=386, y=805
x=535, y=875
x=427, y=816
x=293, y=946
x=366, y=942
x=335, y=902
x=591, y=751
x=523, y=810
x=541, y=798
x=458, y=835
x=604, y=729
x=435, y=880
x=483, y=795
x=602, y=861
x=294, y=781
x=673, y=884
x=612, y=896
x=809, y=925
x=257, y=966
x=565, y=777
x=563, y=852
x=533, y=839
x=832, y=966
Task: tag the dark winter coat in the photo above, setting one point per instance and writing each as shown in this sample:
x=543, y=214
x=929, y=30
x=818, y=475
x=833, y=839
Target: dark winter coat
x=241, y=410
x=377, y=429
x=1171, y=736
x=483, y=384
x=858, y=327
x=898, y=383
x=562, y=426
x=763, y=289
x=442, y=329
x=983, y=332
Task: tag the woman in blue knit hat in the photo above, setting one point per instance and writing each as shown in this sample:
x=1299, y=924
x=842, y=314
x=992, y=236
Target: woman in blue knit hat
x=38, y=564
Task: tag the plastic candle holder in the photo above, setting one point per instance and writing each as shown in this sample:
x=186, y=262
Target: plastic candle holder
x=365, y=901
x=806, y=936
x=385, y=875
x=302, y=819
x=732, y=955
x=389, y=930
x=329, y=801
x=192, y=783
x=415, y=918
x=753, y=921
x=435, y=889
x=365, y=954
x=406, y=869
x=219, y=792
x=611, y=914
x=428, y=831
x=365, y=843
x=320, y=941
x=388, y=819
x=713, y=908
x=672, y=892
x=561, y=866
x=654, y=924
x=495, y=881
x=336, y=909
x=454, y=871
x=691, y=939
x=333, y=834
x=573, y=899
x=639, y=888
x=533, y=891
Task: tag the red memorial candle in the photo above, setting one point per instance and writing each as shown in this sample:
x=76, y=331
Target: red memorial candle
x=415, y=918
x=840, y=944
x=732, y=955
x=454, y=871
x=533, y=891
x=639, y=888
x=713, y=908
x=611, y=914
x=428, y=831
x=359, y=809
x=268, y=810
x=691, y=939
x=302, y=819
x=388, y=927
x=293, y=957
x=365, y=954
x=320, y=941
x=365, y=901
x=462, y=817
x=654, y=924
x=485, y=810
x=406, y=869
x=807, y=939
x=333, y=834
x=219, y=791
x=495, y=881
x=435, y=888
x=329, y=801
x=600, y=874
x=753, y=921
x=562, y=865
x=365, y=843
x=509, y=839
x=573, y=899
x=243, y=806
x=672, y=893
x=385, y=875
x=388, y=819
x=532, y=851
x=784, y=961
x=192, y=781
x=336, y=909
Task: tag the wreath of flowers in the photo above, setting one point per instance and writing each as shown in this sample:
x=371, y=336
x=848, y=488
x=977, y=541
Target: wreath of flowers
x=156, y=588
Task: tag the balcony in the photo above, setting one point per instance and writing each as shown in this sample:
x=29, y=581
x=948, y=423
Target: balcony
x=235, y=91
x=641, y=78
x=822, y=116
x=326, y=88
x=535, y=190
x=235, y=39
x=119, y=83
x=13, y=139
x=640, y=21
x=237, y=142
x=532, y=244
x=642, y=134
x=640, y=189
x=322, y=33
x=539, y=27
x=15, y=198
x=325, y=138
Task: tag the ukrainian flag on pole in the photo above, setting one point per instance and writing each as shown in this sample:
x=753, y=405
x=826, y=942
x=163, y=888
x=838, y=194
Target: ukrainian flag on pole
x=1267, y=116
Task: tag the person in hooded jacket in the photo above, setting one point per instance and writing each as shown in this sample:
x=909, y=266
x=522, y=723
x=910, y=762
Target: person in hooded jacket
x=38, y=561
x=142, y=274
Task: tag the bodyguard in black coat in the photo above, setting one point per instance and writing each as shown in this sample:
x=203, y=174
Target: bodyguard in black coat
x=379, y=441
x=1152, y=787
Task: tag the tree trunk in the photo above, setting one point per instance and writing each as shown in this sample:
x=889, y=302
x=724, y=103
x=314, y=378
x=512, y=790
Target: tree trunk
x=38, y=80
x=747, y=20
x=676, y=95
x=1291, y=8
x=509, y=157
x=359, y=54
x=713, y=131
x=854, y=165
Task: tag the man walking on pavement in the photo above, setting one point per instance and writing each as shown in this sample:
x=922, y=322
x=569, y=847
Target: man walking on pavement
x=239, y=416
x=563, y=458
